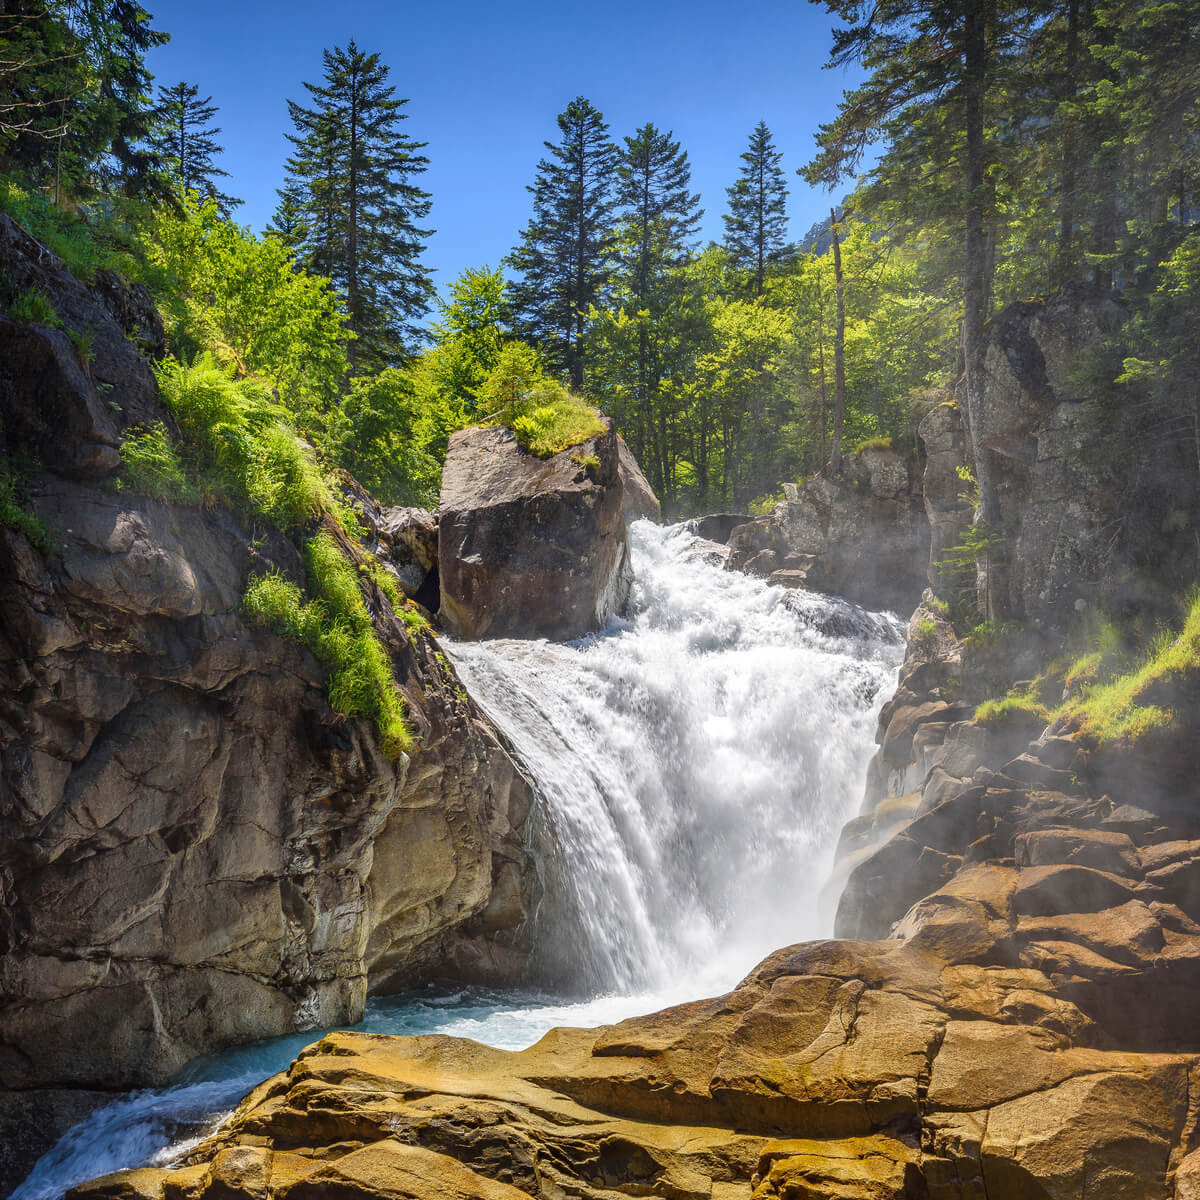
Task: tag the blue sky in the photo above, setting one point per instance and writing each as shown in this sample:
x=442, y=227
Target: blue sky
x=486, y=80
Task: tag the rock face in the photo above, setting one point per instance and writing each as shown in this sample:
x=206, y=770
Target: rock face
x=528, y=546
x=194, y=849
x=864, y=536
x=1069, y=536
x=638, y=501
x=1009, y=1016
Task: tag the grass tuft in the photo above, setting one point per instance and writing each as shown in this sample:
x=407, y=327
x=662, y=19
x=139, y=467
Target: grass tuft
x=151, y=465
x=337, y=628
x=34, y=307
x=14, y=515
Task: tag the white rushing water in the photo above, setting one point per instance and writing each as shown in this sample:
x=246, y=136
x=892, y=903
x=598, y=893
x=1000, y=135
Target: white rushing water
x=694, y=765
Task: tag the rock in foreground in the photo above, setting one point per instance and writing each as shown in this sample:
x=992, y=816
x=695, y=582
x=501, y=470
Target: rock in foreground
x=531, y=547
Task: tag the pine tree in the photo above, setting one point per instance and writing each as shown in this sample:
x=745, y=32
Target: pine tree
x=351, y=200
x=75, y=105
x=566, y=251
x=756, y=224
x=186, y=142
x=659, y=219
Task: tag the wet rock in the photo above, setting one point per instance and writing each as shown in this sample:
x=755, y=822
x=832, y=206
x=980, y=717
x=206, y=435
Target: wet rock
x=716, y=527
x=530, y=547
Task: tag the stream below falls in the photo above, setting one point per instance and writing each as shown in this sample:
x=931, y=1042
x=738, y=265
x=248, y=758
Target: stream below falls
x=694, y=764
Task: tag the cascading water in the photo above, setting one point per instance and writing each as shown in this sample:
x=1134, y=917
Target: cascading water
x=694, y=763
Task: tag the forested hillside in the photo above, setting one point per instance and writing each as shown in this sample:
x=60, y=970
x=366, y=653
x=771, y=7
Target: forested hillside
x=1021, y=150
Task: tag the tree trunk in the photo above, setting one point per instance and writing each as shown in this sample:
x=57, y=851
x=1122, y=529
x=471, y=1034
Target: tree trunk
x=977, y=285
x=839, y=353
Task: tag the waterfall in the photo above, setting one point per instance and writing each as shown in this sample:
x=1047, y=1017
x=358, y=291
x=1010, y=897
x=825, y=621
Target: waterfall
x=694, y=762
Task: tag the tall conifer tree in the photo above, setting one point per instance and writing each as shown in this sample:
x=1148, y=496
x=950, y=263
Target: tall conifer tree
x=566, y=251
x=354, y=206
x=659, y=217
x=756, y=224
x=186, y=142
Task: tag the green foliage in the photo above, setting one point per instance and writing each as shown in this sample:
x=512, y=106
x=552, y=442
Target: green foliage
x=15, y=515
x=34, y=307
x=391, y=434
x=1013, y=711
x=151, y=465
x=545, y=417
x=246, y=453
x=353, y=210
x=925, y=633
x=337, y=628
x=241, y=296
x=875, y=443
x=1148, y=697
x=84, y=343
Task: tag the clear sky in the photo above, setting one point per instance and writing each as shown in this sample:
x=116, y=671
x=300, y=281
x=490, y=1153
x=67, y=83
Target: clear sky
x=485, y=82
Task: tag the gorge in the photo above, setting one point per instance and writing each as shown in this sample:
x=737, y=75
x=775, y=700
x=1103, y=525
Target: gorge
x=668, y=760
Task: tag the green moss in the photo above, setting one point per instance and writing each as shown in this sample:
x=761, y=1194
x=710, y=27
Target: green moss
x=589, y=462
x=150, y=464
x=1012, y=711
x=34, y=307
x=14, y=514
x=337, y=628
x=1131, y=705
x=875, y=443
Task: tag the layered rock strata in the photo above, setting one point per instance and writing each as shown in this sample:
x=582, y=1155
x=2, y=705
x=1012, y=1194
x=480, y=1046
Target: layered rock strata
x=528, y=546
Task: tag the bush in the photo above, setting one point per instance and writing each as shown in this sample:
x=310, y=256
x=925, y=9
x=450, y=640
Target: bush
x=545, y=417
x=150, y=464
x=34, y=307
x=245, y=449
x=337, y=628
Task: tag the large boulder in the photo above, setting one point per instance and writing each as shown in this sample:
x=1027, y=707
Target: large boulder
x=638, y=501
x=531, y=547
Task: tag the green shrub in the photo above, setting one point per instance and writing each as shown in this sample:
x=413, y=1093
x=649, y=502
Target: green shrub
x=87, y=241
x=151, y=465
x=337, y=628
x=14, y=515
x=545, y=416
x=244, y=445
x=34, y=307
x=875, y=443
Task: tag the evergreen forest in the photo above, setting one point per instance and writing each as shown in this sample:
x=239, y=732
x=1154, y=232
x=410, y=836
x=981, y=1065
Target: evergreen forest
x=994, y=152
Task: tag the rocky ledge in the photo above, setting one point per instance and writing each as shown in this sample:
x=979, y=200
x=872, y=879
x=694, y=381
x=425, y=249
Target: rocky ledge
x=863, y=535
x=1009, y=1016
